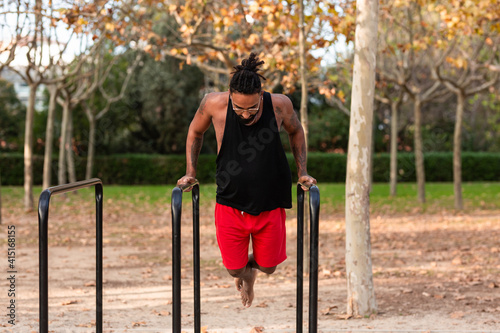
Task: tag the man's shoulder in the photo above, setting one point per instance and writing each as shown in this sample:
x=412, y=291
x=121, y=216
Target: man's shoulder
x=281, y=101
x=213, y=102
x=217, y=97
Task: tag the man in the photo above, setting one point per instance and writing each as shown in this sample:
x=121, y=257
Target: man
x=253, y=177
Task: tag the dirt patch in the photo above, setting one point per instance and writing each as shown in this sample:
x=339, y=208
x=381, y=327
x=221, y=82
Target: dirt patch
x=431, y=272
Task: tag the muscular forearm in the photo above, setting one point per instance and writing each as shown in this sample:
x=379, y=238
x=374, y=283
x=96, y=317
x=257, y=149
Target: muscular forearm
x=297, y=142
x=193, y=147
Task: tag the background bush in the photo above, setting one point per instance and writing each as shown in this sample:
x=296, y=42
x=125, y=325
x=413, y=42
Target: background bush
x=133, y=169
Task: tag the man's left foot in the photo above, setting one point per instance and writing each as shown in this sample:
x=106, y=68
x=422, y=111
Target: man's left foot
x=245, y=287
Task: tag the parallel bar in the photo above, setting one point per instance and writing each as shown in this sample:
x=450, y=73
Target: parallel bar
x=99, y=254
x=176, y=256
x=300, y=258
x=73, y=186
x=43, y=254
x=314, y=203
x=196, y=258
x=176, y=208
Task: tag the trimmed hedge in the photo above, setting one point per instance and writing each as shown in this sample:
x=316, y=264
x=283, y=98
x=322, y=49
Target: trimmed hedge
x=166, y=169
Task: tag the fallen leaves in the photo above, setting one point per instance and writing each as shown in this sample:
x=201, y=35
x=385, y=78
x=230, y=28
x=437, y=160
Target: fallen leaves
x=492, y=285
x=347, y=316
x=457, y=315
x=88, y=325
x=329, y=310
x=138, y=324
x=161, y=313
x=258, y=329
x=224, y=286
x=262, y=305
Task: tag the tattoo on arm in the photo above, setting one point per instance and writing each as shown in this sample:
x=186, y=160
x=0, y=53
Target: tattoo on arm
x=201, y=109
x=195, y=151
x=295, y=122
x=278, y=110
x=300, y=155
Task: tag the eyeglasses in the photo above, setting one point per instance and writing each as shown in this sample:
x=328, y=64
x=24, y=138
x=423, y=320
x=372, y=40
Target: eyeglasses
x=251, y=111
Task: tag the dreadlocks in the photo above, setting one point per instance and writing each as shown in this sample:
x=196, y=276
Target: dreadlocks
x=245, y=78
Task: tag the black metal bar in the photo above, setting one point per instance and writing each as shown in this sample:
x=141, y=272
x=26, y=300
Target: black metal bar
x=43, y=270
x=196, y=258
x=176, y=256
x=300, y=258
x=314, y=203
x=99, y=254
x=43, y=219
x=176, y=208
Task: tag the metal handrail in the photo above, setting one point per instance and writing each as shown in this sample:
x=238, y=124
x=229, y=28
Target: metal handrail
x=176, y=208
x=43, y=219
x=314, y=205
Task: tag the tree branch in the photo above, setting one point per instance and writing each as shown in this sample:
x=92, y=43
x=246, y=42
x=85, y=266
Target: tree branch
x=334, y=101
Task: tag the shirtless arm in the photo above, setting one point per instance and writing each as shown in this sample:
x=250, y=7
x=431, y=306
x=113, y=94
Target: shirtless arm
x=199, y=125
x=295, y=132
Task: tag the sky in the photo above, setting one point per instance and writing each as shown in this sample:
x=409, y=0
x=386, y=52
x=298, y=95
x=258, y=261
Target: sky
x=8, y=33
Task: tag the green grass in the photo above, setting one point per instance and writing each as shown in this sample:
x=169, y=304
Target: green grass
x=439, y=197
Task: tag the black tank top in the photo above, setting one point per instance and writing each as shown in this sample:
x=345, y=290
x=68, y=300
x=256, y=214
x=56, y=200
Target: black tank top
x=253, y=174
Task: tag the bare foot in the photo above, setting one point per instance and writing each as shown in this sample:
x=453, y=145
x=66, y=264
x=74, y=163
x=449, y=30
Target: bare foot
x=245, y=286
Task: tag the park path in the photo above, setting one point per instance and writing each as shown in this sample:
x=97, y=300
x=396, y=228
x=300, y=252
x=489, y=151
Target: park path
x=431, y=272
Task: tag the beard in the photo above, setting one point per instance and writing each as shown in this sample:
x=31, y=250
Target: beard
x=246, y=121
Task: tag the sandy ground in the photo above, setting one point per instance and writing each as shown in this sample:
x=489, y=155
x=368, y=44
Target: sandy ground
x=432, y=273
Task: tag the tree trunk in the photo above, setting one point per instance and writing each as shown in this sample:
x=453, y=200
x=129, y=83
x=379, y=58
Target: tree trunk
x=457, y=152
x=28, y=149
x=49, y=137
x=91, y=151
x=63, y=142
x=419, y=151
x=303, y=75
x=360, y=292
x=70, y=158
x=394, y=147
x=0, y=198
x=303, y=116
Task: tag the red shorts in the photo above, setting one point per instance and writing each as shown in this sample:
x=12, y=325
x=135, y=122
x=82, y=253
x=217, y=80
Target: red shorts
x=234, y=228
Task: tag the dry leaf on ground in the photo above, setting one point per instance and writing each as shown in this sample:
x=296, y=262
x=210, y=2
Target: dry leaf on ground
x=139, y=323
x=262, y=305
x=457, y=315
x=328, y=310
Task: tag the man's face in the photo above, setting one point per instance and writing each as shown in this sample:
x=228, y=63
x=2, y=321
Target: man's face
x=246, y=107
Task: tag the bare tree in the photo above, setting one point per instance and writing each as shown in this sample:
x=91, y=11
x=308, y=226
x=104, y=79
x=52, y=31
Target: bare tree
x=405, y=63
x=93, y=115
x=37, y=36
x=34, y=56
x=77, y=89
x=472, y=77
x=53, y=90
x=394, y=102
x=56, y=84
x=360, y=291
x=11, y=36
